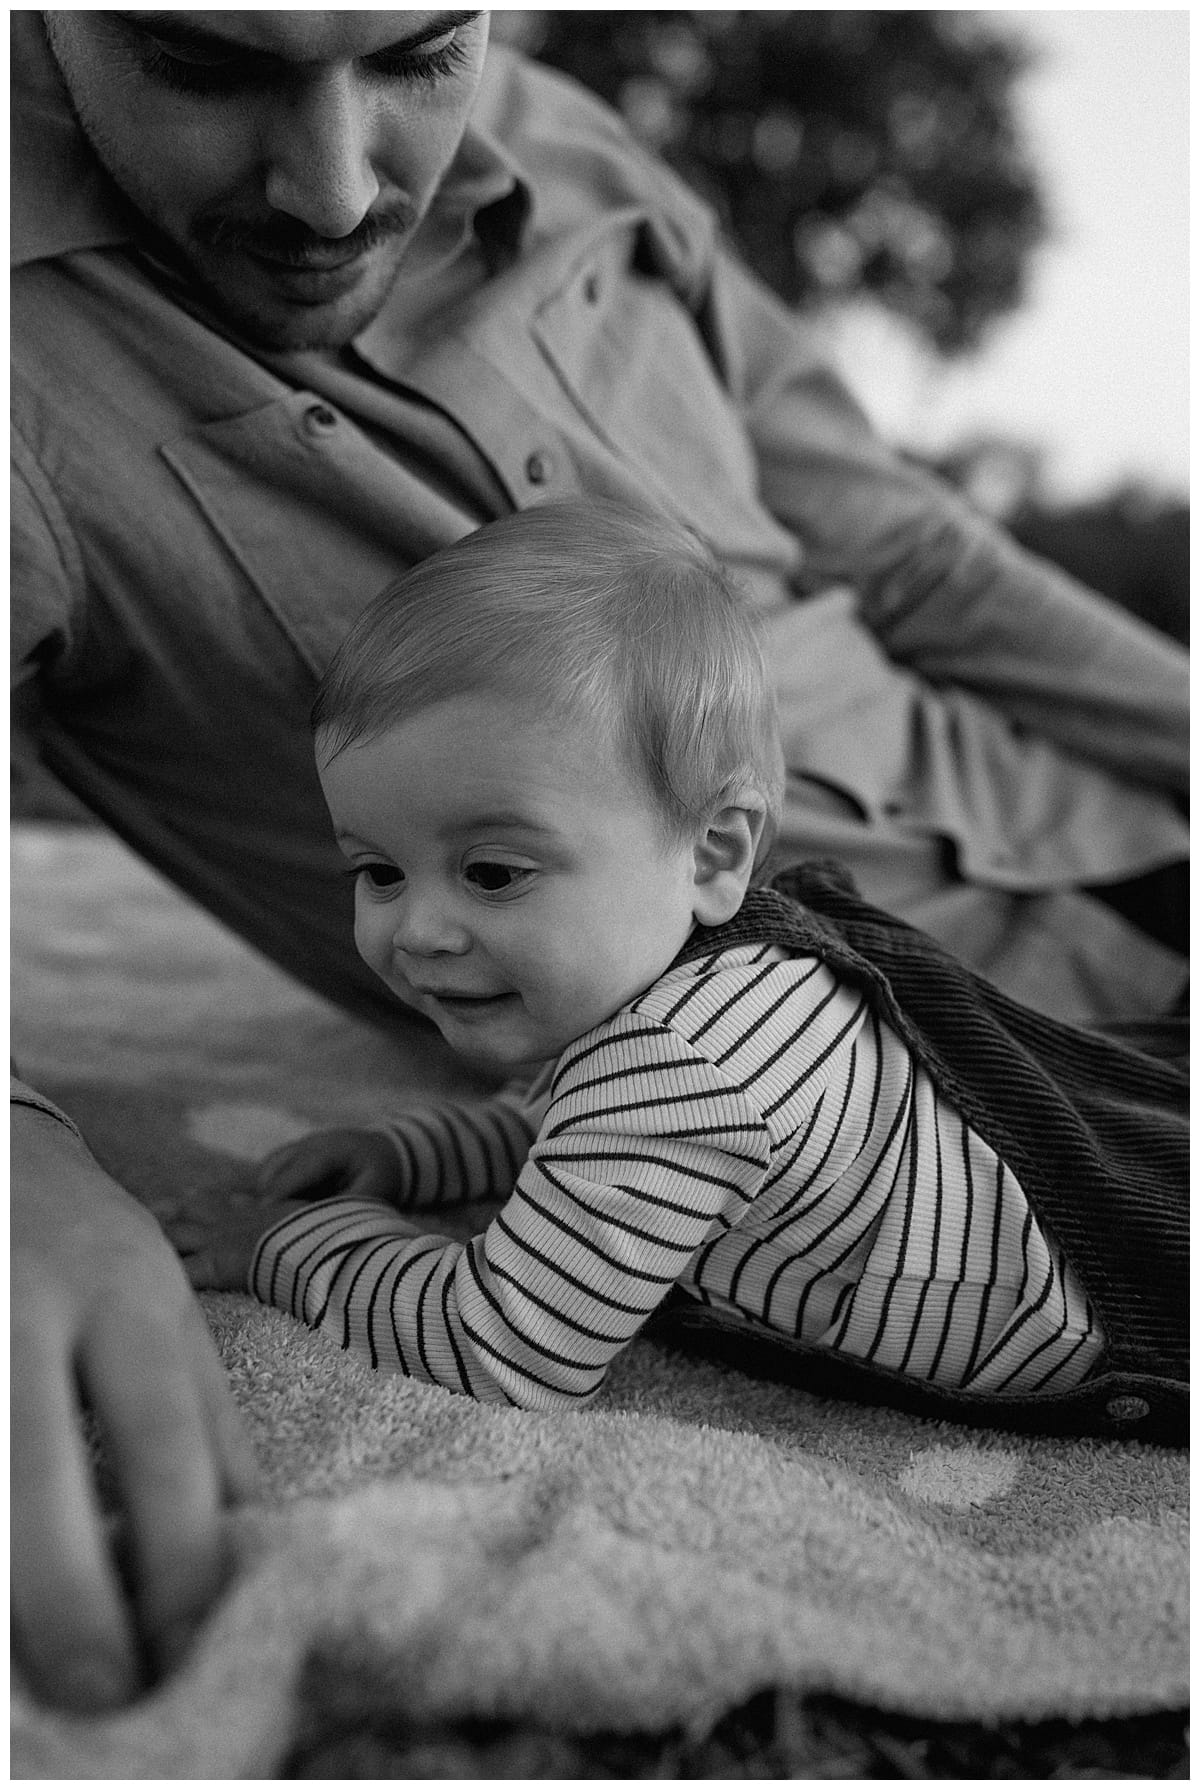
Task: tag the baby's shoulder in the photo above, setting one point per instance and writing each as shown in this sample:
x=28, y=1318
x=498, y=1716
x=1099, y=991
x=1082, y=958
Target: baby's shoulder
x=743, y=990
x=754, y=1030
x=778, y=1026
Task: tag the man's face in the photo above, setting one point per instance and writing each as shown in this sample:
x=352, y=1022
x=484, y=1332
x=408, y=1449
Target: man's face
x=285, y=158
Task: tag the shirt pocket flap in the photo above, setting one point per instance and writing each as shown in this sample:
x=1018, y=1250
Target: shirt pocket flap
x=317, y=518
x=630, y=357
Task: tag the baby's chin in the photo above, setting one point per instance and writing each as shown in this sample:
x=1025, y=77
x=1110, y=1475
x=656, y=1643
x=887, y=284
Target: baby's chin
x=495, y=1060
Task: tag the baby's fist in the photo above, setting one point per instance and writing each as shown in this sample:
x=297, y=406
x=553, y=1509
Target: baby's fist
x=360, y=1163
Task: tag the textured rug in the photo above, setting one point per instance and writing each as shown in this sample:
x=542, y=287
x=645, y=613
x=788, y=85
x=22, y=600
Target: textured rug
x=688, y=1541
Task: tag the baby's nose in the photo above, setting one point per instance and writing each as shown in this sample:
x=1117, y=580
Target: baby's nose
x=425, y=927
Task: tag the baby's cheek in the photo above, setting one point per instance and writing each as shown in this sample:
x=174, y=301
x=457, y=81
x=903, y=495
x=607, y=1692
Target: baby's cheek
x=373, y=940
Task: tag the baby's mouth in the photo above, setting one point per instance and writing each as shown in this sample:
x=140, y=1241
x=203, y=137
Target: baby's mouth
x=467, y=1003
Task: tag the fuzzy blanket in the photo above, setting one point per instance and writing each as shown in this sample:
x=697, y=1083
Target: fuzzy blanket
x=648, y=1563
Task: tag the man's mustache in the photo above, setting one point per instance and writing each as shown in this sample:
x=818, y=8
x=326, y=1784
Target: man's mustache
x=288, y=241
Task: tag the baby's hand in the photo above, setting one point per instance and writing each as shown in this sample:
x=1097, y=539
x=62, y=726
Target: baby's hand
x=360, y=1163
x=217, y=1243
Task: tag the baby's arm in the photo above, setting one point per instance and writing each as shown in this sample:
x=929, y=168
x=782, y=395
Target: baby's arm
x=616, y=1196
x=439, y=1156
x=444, y=1155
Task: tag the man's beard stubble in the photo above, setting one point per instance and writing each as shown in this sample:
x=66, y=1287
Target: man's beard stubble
x=288, y=241
x=277, y=237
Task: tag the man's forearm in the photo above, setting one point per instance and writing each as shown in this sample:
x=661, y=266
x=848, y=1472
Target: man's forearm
x=945, y=591
x=967, y=607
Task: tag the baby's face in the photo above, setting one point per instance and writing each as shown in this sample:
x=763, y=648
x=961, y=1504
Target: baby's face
x=512, y=881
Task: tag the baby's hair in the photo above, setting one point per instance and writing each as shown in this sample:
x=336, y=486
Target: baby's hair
x=599, y=614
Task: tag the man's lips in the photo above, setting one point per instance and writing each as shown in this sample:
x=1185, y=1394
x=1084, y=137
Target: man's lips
x=300, y=261
x=314, y=280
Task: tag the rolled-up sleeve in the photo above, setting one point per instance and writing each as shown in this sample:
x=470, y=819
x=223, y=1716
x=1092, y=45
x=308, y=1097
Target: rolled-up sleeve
x=946, y=592
x=46, y=580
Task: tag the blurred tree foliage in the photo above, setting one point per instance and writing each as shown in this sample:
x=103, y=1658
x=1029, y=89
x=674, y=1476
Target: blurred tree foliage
x=844, y=151
x=1131, y=544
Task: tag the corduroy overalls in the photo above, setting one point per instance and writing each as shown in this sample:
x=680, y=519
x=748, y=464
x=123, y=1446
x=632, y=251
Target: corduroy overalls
x=1095, y=1131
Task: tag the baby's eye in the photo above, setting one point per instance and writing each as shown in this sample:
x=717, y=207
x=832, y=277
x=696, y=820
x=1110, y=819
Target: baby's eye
x=378, y=876
x=493, y=878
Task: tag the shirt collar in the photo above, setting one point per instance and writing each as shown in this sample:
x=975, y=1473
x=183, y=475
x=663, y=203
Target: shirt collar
x=61, y=197
x=62, y=200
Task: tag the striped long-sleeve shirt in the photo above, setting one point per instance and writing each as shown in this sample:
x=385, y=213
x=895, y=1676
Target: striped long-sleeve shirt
x=748, y=1130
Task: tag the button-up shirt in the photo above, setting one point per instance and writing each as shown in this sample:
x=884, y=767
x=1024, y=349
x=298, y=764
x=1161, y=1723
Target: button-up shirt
x=196, y=523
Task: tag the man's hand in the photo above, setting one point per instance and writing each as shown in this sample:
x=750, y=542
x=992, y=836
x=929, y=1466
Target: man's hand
x=218, y=1237
x=102, y=1315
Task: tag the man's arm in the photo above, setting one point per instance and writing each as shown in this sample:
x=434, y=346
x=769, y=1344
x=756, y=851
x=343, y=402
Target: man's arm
x=101, y=1313
x=101, y=1316
x=945, y=591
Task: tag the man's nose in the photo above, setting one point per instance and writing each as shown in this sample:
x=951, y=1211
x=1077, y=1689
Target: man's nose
x=319, y=166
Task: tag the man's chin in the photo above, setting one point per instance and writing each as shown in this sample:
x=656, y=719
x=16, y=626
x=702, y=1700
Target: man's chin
x=262, y=311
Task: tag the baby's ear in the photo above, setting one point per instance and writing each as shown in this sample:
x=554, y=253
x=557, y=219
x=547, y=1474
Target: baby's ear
x=725, y=855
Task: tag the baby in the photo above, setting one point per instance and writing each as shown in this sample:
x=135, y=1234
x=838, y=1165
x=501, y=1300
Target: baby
x=550, y=757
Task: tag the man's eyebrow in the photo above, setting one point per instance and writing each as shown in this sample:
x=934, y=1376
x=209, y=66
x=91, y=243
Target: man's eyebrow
x=168, y=28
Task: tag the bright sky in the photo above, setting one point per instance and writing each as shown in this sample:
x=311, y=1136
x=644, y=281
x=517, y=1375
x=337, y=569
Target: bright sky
x=1095, y=366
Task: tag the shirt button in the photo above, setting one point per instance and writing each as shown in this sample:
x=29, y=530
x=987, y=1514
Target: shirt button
x=538, y=468
x=1127, y=1408
x=319, y=419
